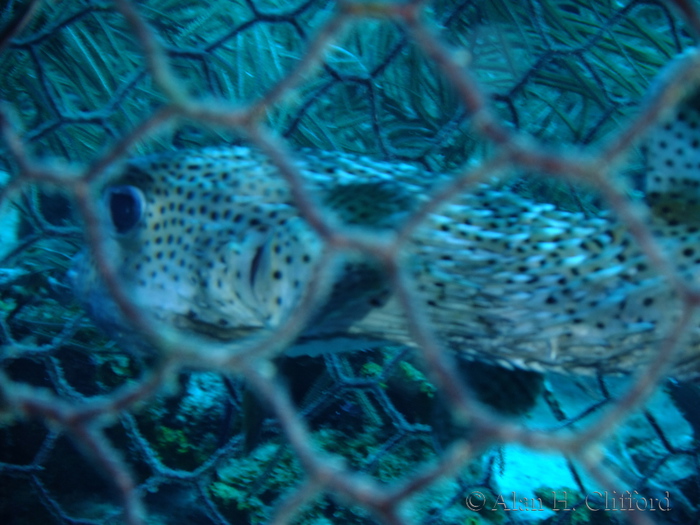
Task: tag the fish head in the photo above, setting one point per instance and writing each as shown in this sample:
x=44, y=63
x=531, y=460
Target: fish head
x=203, y=241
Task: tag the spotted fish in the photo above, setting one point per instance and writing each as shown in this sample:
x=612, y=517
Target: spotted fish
x=210, y=241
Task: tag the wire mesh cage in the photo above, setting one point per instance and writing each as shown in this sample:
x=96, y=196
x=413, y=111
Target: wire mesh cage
x=495, y=323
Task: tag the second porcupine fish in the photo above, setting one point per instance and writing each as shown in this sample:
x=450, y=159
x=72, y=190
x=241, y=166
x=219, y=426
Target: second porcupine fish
x=210, y=241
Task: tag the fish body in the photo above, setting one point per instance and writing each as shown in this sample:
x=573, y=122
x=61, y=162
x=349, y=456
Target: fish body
x=210, y=241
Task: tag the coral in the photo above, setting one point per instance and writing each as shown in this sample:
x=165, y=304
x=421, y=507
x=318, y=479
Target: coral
x=411, y=374
x=246, y=487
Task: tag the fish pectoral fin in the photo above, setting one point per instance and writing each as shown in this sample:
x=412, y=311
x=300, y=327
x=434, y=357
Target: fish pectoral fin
x=234, y=284
x=272, y=268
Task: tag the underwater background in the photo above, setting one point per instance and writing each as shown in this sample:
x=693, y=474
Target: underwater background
x=93, y=433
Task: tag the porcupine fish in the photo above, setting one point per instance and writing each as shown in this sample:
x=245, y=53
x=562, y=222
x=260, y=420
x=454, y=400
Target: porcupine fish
x=210, y=241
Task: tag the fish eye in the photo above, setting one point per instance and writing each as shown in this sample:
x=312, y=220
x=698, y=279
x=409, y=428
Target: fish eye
x=126, y=205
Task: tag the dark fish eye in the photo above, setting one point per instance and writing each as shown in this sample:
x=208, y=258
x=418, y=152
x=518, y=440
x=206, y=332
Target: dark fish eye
x=126, y=204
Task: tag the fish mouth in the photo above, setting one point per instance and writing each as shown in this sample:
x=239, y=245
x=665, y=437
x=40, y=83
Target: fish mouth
x=91, y=293
x=83, y=279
